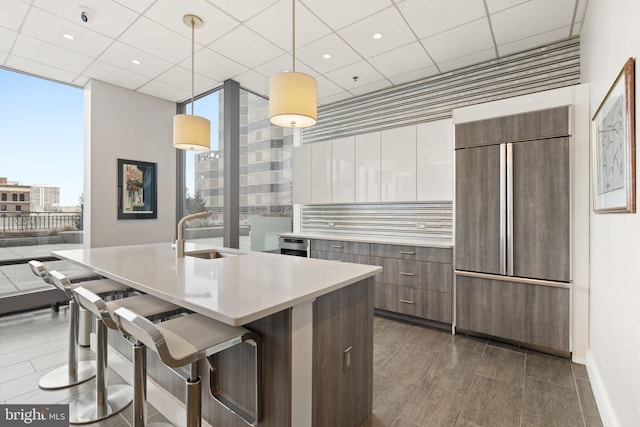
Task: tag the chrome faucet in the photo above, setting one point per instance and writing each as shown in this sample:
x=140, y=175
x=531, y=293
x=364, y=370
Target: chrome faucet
x=180, y=241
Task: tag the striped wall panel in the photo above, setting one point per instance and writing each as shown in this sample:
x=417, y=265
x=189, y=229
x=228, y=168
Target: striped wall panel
x=410, y=220
x=543, y=68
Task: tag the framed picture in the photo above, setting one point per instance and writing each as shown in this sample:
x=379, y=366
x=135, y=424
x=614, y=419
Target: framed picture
x=137, y=190
x=613, y=135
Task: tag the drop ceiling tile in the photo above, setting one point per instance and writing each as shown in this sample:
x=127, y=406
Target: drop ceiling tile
x=281, y=64
x=341, y=54
x=243, y=10
x=427, y=18
x=274, y=24
x=387, y=22
x=465, y=61
x=7, y=37
x=327, y=88
x=169, y=13
x=181, y=78
x=255, y=82
x=213, y=65
x=80, y=81
x=364, y=72
x=414, y=75
x=534, y=41
x=157, y=40
x=498, y=5
x=3, y=57
x=577, y=27
x=114, y=75
x=340, y=13
x=38, y=69
x=531, y=18
x=460, y=41
x=12, y=13
x=333, y=98
x=401, y=60
x=136, y=5
x=372, y=87
x=121, y=55
x=246, y=47
x=50, y=28
x=165, y=91
x=108, y=18
x=64, y=59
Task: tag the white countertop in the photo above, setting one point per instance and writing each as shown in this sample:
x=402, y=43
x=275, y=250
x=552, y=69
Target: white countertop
x=235, y=290
x=431, y=243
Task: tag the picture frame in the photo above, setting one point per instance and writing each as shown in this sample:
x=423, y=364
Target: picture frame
x=137, y=189
x=614, y=146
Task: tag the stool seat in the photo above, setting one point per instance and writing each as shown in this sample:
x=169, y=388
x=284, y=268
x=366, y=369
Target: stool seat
x=73, y=275
x=187, y=339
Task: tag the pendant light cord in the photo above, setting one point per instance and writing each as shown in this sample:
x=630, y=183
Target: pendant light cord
x=193, y=26
x=293, y=49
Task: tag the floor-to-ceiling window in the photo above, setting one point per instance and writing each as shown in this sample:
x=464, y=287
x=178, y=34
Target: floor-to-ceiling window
x=41, y=177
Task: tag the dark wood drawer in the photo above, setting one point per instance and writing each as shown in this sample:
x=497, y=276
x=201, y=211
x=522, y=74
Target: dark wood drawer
x=337, y=256
x=414, y=302
x=338, y=246
x=417, y=253
x=433, y=276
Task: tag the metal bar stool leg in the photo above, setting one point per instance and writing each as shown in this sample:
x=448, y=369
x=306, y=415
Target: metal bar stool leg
x=73, y=372
x=194, y=402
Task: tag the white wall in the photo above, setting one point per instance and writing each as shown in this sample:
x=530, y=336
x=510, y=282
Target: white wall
x=577, y=97
x=610, y=36
x=123, y=124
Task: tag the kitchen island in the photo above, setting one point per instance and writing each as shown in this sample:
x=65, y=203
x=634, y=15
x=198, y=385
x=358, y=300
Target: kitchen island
x=315, y=317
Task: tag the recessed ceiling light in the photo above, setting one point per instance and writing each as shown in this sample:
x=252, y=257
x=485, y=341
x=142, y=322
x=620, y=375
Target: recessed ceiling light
x=68, y=37
x=377, y=36
x=326, y=56
x=135, y=61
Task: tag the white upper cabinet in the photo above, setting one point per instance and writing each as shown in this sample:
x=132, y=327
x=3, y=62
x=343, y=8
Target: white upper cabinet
x=321, y=177
x=344, y=176
x=435, y=160
x=399, y=164
x=367, y=167
x=302, y=174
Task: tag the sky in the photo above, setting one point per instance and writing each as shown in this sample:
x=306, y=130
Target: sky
x=42, y=133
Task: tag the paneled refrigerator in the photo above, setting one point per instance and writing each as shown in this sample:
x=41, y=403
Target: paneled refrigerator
x=512, y=228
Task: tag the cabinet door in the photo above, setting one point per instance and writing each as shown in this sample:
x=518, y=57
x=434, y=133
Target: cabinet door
x=302, y=174
x=541, y=209
x=435, y=161
x=321, y=172
x=399, y=164
x=368, y=164
x=344, y=171
x=478, y=228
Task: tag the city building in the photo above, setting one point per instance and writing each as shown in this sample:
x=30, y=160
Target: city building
x=45, y=198
x=14, y=197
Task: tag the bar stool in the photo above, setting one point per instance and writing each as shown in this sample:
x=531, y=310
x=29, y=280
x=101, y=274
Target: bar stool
x=187, y=339
x=147, y=306
x=75, y=372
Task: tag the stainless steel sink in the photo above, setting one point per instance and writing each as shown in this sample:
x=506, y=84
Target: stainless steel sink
x=211, y=254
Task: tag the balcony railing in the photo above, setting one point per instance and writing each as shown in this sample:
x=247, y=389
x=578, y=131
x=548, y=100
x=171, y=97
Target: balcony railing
x=39, y=221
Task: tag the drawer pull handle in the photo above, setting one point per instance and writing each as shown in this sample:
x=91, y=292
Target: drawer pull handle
x=407, y=253
x=406, y=274
x=407, y=301
x=337, y=246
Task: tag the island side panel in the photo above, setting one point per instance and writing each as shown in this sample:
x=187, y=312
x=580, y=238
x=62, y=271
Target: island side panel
x=343, y=319
x=237, y=372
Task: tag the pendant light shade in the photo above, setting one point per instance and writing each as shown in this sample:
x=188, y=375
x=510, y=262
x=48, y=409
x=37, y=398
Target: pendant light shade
x=293, y=97
x=191, y=132
x=293, y=100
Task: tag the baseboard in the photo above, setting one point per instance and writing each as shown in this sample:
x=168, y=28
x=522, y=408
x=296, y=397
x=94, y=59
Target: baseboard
x=599, y=393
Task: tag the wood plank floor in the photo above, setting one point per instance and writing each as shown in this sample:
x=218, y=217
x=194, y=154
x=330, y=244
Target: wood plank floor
x=422, y=377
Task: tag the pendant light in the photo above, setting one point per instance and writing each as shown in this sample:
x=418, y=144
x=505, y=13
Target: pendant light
x=191, y=132
x=293, y=99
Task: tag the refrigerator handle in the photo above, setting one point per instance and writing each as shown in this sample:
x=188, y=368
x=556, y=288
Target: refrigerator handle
x=510, y=209
x=503, y=208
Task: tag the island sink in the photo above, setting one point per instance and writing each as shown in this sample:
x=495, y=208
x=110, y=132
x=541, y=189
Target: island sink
x=211, y=254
